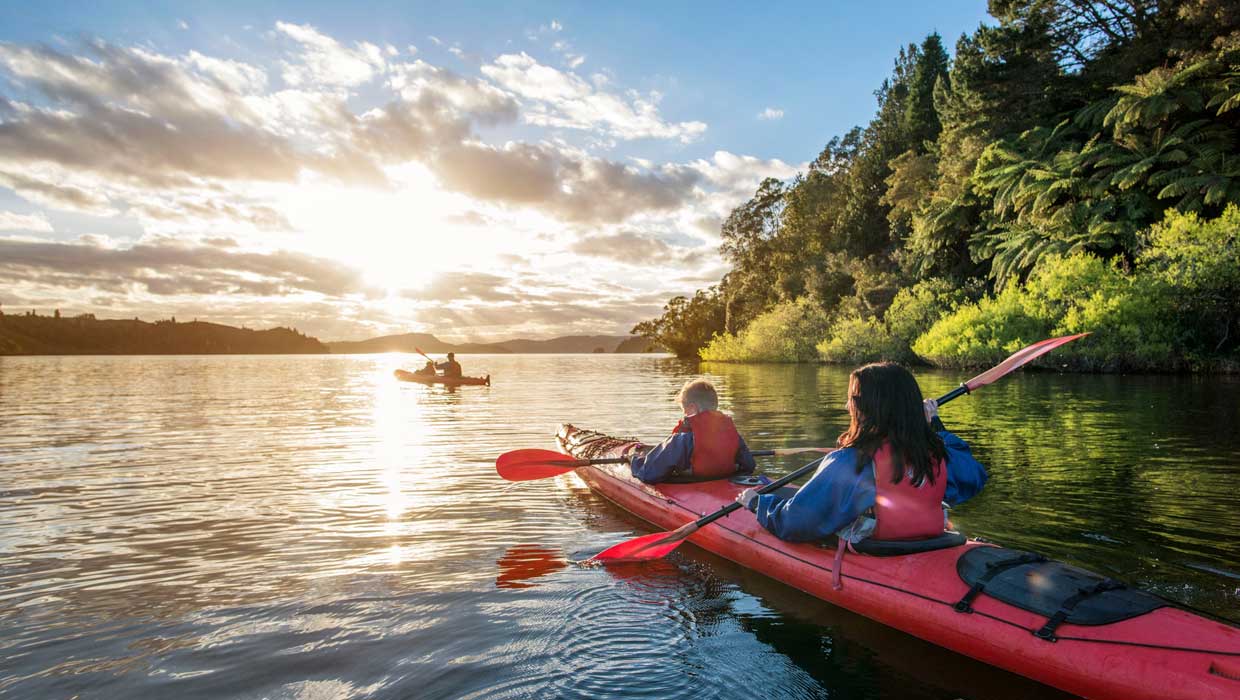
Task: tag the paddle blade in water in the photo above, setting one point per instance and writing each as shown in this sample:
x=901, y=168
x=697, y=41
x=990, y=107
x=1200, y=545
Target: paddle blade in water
x=646, y=547
x=1019, y=359
x=527, y=465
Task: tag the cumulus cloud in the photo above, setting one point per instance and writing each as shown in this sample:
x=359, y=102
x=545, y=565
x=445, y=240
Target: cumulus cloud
x=322, y=60
x=771, y=114
x=564, y=100
x=37, y=222
x=482, y=102
x=740, y=175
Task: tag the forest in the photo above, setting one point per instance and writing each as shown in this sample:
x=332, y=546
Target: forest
x=33, y=334
x=1072, y=166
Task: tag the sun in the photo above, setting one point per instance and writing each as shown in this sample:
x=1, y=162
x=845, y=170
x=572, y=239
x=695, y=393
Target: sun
x=400, y=238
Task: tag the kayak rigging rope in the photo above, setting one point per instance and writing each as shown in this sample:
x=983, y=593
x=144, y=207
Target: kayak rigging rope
x=950, y=604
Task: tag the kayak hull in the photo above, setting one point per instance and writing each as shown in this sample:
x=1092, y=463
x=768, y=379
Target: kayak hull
x=915, y=593
x=439, y=379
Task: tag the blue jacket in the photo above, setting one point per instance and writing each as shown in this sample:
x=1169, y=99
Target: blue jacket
x=673, y=456
x=837, y=494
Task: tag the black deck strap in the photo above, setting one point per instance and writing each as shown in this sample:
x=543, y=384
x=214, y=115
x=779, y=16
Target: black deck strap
x=898, y=548
x=993, y=569
x=1047, y=631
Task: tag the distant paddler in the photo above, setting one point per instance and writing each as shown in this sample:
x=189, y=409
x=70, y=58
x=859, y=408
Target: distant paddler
x=450, y=367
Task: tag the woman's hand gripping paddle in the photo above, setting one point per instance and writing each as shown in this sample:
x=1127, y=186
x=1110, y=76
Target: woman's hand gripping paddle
x=660, y=544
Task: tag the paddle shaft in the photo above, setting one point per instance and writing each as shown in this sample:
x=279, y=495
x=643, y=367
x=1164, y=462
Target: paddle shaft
x=780, y=483
x=625, y=460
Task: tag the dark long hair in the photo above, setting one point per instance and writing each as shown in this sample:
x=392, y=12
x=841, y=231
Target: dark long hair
x=885, y=404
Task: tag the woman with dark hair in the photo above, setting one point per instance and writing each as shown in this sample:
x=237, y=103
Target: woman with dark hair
x=895, y=467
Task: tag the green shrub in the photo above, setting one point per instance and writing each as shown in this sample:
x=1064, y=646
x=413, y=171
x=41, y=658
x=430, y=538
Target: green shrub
x=787, y=332
x=982, y=333
x=916, y=308
x=855, y=340
x=1126, y=315
x=1200, y=261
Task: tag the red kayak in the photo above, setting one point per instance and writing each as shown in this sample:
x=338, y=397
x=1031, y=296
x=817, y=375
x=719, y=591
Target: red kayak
x=440, y=379
x=1060, y=625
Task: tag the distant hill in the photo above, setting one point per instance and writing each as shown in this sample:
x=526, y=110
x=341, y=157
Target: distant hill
x=29, y=334
x=408, y=342
x=636, y=343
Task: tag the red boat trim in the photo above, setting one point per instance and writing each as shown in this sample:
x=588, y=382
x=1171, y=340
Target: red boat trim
x=1117, y=642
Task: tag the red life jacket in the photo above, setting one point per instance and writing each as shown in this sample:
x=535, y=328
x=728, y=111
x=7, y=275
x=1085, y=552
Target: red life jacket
x=903, y=511
x=715, y=442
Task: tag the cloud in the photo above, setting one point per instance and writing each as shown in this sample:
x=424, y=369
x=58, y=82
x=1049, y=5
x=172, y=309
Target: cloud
x=571, y=57
x=167, y=268
x=123, y=123
x=576, y=188
x=480, y=101
x=771, y=114
x=464, y=286
x=740, y=175
x=210, y=159
x=141, y=117
x=633, y=249
x=11, y=221
x=563, y=100
x=321, y=60
x=56, y=196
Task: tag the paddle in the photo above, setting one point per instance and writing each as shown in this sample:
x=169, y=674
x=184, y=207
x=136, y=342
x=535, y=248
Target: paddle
x=527, y=465
x=659, y=544
x=423, y=354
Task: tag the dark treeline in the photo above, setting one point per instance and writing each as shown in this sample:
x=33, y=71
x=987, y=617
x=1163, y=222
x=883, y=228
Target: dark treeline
x=1074, y=166
x=31, y=334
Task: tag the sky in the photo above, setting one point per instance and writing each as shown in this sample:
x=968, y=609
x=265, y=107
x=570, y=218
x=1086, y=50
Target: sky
x=476, y=171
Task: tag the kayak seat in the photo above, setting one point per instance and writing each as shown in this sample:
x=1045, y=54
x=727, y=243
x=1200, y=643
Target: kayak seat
x=895, y=548
x=1058, y=591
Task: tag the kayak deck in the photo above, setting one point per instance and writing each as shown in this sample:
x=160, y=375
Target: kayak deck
x=405, y=376
x=1164, y=654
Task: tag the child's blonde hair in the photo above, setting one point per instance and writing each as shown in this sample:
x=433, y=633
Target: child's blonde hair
x=700, y=392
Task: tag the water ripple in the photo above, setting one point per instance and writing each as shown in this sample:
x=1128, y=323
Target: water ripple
x=306, y=527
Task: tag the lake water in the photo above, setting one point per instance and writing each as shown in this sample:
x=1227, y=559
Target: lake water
x=308, y=527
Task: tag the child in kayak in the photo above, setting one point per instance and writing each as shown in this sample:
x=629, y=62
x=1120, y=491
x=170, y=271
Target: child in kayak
x=895, y=468
x=704, y=445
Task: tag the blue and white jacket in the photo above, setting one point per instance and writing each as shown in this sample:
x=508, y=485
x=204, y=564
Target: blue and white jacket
x=838, y=494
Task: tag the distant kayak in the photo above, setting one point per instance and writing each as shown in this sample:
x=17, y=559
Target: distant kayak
x=438, y=379
x=1020, y=611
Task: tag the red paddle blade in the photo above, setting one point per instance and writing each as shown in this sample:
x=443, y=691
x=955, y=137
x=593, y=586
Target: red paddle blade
x=527, y=465
x=1019, y=359
x=644, y=548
